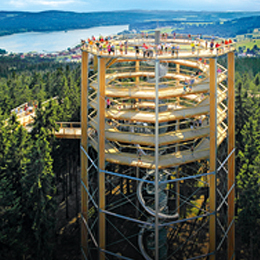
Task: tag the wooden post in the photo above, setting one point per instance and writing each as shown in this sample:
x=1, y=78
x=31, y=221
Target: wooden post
x=178, y=190
x=178, y=71
x=213, y=156
x=84, y=159
x=178, y=68
x=137, y=68
x=231, y=160
x=95, y=63
x=101, y=149
x=177, y=128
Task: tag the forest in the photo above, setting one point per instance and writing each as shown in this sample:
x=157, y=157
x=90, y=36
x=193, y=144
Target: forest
x=39, y=175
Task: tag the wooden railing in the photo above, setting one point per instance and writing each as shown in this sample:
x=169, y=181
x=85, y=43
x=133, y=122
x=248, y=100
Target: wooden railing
x=68, y=130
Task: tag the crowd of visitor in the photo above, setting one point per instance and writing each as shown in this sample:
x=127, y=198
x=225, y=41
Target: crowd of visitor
x=109, y=46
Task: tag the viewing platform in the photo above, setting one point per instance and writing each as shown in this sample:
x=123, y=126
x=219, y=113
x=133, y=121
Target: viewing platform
x=138, y=46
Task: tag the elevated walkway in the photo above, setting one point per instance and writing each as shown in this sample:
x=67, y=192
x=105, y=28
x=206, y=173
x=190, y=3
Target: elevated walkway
x=68, y=130
x=201, y=151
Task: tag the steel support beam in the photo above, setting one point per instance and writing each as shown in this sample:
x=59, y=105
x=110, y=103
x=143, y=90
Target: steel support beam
x=157, y=64
x=231, y=160
x=213, y=157
x=101, y=151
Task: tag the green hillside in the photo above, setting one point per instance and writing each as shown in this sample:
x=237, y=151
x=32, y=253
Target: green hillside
x=15, y=22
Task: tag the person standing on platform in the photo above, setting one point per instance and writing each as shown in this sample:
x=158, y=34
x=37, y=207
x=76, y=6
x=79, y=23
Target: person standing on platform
x=198, y=47
x=177, y=50
x=192, y=149
x=173, y=49
x=113, y=48
x=121, y=47
x=229, y=43
x=217, y=45
x=136, y=50
x=192, y=47
x=200, y=122
x=145, y=51
x=139, y=157
x=211, y=46
x=109, y=49
x=104, y=47
x=108, y=103
x=192, y=81
x=186, y=82
x=125, y=44
x=97, y=45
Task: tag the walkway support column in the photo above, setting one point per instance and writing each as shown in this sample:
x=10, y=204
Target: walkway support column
x=213, y=157
x=84, y=159
x=137, y=69
x=178, y=71
x=177, y=128
x=231, y=160
x=101, y=151
x=157, y=64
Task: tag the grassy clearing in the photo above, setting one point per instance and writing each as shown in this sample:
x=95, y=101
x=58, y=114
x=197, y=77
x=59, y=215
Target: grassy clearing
x=248, y=43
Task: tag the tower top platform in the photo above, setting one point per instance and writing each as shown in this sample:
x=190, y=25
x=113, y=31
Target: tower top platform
x=158, y=46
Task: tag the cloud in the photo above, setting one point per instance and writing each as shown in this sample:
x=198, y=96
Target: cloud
x=43, y=3
x=104, y=5
x=55, y=3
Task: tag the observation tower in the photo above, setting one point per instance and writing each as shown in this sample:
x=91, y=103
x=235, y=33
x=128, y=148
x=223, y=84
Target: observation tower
x=157, y=148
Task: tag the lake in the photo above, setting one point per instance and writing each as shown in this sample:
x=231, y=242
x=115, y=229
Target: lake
x=43, y=42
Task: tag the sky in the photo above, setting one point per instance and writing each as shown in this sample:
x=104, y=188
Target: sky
x=112, y=5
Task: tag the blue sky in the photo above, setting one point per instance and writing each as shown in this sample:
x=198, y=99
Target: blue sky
x=110, y=5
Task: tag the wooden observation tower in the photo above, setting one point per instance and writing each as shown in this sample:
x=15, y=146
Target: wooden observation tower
x=157, y=148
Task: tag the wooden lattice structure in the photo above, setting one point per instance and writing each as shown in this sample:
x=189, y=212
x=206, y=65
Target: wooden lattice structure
x=157, y=145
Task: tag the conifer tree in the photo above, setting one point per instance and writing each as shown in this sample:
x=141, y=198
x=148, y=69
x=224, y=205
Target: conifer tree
x=248, y=188
x=14, y=150
x=45, y=118
x=41, y=202
x=41, y=180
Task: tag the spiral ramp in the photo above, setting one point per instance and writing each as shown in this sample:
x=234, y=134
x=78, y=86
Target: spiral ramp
x=130, y=141
x=133, y=122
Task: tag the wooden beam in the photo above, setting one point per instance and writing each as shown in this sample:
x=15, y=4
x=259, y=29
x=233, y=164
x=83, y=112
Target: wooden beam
x=213, y=156
x=231, y=160
x=177, y=128
x=111, y=62
x=137, y=69
x=101, y=151
x=95, y=63
x=84, y=159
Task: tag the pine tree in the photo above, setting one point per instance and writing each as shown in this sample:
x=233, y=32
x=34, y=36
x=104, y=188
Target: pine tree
x=41, y=203
x=257, y=80
x=45, y=118
x=248, y=188
x=14, y=149
x=40, y=180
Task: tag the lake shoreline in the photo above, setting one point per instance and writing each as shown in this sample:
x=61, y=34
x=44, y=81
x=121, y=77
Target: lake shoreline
x=53, y=41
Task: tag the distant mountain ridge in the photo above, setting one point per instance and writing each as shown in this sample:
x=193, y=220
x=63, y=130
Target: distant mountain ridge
x=229, y=28
x=16, y=22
